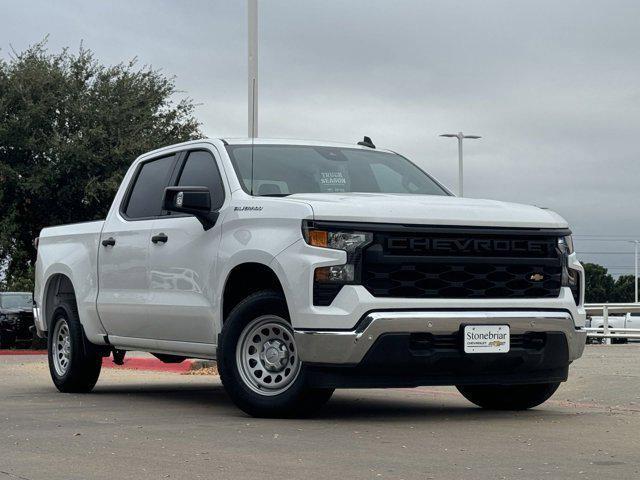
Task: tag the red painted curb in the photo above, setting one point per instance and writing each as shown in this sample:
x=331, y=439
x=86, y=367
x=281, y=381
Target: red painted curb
x=149, y=364
x=133, y=363
x=23, y=352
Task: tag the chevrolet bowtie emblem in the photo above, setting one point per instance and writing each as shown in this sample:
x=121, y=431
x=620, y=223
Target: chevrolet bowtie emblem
x=536, y=277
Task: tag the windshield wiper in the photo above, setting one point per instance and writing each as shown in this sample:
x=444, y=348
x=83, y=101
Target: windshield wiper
x=275, y=195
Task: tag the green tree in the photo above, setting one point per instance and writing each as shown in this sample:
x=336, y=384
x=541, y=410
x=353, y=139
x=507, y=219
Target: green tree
x=599, y=284
x=624, y=290
x=69, y=129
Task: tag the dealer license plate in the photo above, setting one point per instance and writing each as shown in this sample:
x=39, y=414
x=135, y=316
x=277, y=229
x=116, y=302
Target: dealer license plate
x=486, y=338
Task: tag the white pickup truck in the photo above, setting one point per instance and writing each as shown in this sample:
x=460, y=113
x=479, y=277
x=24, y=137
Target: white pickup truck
x=628, y=320
x=304, y=266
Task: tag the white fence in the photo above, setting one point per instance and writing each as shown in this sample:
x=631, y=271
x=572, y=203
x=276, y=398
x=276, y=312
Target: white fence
x=607, y=331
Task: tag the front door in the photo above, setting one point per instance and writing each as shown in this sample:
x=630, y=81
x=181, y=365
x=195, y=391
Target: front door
x=123, y=252
x=182, y=259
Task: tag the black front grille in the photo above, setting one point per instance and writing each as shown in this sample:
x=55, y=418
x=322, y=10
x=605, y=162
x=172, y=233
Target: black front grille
x=463, y=264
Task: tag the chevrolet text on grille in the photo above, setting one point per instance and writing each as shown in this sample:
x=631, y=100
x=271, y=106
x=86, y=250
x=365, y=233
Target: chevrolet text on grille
x=468, y=245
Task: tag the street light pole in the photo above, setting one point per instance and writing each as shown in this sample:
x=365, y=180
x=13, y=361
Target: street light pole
x=636, y=281
x=460, y=136
x=252, y=16
x=460, y=168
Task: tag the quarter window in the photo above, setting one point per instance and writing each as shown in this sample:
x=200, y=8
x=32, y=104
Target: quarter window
x=146, y=196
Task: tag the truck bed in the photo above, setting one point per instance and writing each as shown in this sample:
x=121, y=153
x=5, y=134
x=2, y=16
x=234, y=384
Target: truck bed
x=72, y=250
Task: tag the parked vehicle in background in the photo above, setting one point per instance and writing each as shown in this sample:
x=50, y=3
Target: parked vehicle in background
x=302, y=267
x=16, y=319
x=628, y=320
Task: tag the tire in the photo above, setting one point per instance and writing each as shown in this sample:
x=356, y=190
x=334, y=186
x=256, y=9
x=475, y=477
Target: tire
x=7, y=340
x=280, y=389
x=508, y=397
x=74, y=363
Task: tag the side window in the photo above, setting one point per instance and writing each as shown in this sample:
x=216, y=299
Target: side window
x=200, y=170
x=145, y=199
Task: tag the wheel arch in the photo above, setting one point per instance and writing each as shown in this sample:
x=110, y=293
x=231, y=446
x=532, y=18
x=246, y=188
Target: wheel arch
x=59, y=286
x=245, y=279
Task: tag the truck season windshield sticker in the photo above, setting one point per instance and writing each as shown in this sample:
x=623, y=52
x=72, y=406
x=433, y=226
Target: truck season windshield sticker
x=333, y=181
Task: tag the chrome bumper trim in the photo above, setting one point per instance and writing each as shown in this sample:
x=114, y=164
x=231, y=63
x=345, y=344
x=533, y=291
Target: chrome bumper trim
x=350, y=347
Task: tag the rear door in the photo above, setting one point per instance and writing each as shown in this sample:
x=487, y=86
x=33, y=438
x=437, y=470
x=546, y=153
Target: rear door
x=123, y=259
x=182, y=260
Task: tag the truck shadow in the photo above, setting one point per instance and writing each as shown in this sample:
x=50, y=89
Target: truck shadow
x=346, y=405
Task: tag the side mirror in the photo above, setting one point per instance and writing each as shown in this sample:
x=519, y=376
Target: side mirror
x=194, y=201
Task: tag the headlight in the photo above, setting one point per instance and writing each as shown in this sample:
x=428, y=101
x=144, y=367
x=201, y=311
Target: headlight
x=570, y=277
x=347, y=241
x=565, y=244
x=329, y=280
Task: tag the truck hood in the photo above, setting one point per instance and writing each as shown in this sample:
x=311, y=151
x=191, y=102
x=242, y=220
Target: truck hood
x=426, y=210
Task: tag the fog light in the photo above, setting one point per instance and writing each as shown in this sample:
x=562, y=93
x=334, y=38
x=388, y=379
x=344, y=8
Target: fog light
x=335, y=273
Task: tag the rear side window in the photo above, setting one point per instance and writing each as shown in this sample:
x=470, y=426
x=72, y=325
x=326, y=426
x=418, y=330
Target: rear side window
x=145, y=199
x=200, y=170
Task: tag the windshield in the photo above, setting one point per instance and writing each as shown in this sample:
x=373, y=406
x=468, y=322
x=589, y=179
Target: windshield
x=286, y=169
x=16, y=300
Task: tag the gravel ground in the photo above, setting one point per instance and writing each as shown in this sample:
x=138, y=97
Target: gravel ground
x=146, y=425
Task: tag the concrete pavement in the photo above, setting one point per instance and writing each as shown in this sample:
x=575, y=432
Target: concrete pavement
x=150, y=425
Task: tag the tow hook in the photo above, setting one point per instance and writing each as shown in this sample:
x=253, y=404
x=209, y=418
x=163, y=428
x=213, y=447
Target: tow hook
x=118, y=356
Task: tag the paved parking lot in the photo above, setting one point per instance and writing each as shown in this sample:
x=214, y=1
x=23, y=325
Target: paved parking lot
x=144, y=425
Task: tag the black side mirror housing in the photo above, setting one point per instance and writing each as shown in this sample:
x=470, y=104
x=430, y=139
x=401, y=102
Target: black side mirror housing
x=194, y=201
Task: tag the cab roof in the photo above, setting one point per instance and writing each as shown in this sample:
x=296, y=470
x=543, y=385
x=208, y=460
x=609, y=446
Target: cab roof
x=291, y=141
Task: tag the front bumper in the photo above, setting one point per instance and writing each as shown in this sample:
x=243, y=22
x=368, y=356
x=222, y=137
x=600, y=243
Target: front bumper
x=381, y=345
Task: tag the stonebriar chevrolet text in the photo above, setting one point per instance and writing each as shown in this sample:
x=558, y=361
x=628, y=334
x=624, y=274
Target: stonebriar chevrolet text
x=302, y=267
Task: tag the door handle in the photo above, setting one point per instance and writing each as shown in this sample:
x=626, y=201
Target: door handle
x=160, y=238
x=109, y=242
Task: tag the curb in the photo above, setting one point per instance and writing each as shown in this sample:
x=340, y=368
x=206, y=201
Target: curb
x=148, y=364
x=133, y=363
x=23, y=352
x=155, y=365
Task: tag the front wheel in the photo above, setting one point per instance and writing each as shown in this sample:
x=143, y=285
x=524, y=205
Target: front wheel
x=508, y=397
x=259, y=363
x=74, y=363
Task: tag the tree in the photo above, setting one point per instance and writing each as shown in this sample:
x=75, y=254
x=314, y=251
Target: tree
x=624, y=291
x=599, y=284
x=69, y=129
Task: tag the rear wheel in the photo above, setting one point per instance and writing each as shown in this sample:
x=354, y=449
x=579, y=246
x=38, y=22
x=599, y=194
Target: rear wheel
x=74, y=363
x=508, y=397
x=259, y=363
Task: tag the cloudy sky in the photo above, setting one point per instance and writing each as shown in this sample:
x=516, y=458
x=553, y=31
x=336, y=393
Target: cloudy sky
x=553, y=87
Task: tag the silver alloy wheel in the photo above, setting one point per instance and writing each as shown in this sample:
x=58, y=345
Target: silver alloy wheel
x=61, y=347
x=267, y=356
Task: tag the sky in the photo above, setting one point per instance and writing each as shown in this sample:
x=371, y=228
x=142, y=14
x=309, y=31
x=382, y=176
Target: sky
x=552, y=87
